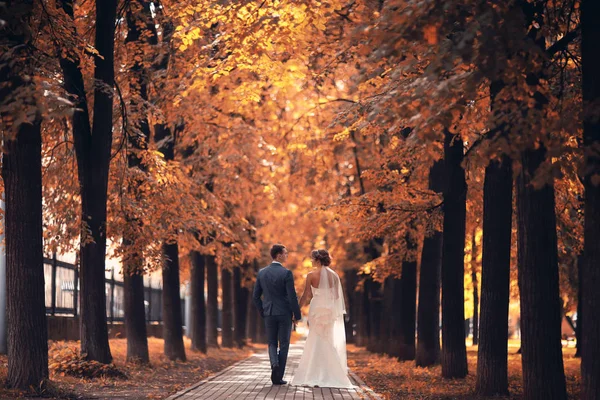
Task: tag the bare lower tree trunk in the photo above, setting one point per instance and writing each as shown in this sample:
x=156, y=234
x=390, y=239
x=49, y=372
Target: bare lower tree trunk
x=212, y=303
x=171, y=304
x=543, y=373
x=590, y=334
x=198, y=302
x=454, y=350
x=240, y=295
x=350, y=285
x=387, y=306
x=428, y=314
x=22, y=175
x=408, y=303
x=492, y=360
x=227, y=309
x=135, y=317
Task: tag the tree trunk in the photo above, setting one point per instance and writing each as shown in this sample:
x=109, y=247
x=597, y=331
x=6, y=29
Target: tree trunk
x=394, y=315
x=475, y=282
x=212, y=303
x=364, y=312
x=140, y=33
x=171, y=304
x=428, y=314
x=387, y=306
x=198, y=302
x=590, y=359
x=253, y=319
x=408, y=306
x=135, y=317
x=350, y=279
x=492, y=357
x=454, y=350
x=543, y=374
x=375, y=313
x=93, y=161
x=227, y=309
x=27, y=335
x=240, y=295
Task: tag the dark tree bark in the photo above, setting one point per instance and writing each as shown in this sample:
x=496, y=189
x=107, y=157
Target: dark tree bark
x=171, y=304
x=92, y=148
x=27, y=332
x=454, y=350
x=212, y=303
x=394, y=316
x=590, y=334
x=135, y=317
x=26, y=311
x=253, y=320
x=543, y=374
x=363, y=303
x=492, y=361
x=408, y=311
x=408, y=303
x=140, y=32
x=388, y=308
x=198, y=302
x=428, y=313
x=240, y=296
x=375, y=343
x=350, y=280
x=227, y=309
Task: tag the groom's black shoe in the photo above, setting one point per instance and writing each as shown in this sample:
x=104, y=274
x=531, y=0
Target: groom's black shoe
x=282, y=382
x=275, y=375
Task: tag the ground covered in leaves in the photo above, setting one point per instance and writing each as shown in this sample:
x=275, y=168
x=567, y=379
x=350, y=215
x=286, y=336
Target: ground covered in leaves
x=393, y=379
x=156, y=381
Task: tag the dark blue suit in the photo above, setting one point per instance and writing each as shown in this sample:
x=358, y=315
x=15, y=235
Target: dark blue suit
x=275, y=284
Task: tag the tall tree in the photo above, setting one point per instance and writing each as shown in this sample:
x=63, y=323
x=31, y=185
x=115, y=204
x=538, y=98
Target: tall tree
x=492, y=368
x=590, y=356
x=543, y=372
x=198, y=302
x=454, y=350
x=212, y=303
x=492, y=357
x=92, y=148
x=227, y=308
x=22, y=175
x=428, y=314
x=350, y=279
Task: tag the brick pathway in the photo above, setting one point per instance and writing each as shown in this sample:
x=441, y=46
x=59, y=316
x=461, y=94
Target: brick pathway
x=250, y=379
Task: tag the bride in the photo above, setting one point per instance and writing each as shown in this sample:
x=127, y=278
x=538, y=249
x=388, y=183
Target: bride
x=323, y=362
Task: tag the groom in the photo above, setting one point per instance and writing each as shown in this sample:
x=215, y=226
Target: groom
x=276, y=284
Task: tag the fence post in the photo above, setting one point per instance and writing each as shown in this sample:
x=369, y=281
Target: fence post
x=112, y=296
x=53, y=283
x=76, y=285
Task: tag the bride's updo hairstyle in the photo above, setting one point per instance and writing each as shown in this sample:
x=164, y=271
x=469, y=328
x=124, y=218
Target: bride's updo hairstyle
x=321, y=256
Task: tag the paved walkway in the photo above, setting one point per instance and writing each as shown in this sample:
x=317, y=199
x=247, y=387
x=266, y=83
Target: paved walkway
x=250, y=379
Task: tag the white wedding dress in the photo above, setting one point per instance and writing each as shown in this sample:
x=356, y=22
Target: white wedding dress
x=323, y=362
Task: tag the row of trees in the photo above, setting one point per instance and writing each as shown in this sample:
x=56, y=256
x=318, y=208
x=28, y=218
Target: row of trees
x=488, y=102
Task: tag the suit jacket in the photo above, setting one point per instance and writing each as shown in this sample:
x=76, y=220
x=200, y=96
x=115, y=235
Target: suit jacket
x=275, y=284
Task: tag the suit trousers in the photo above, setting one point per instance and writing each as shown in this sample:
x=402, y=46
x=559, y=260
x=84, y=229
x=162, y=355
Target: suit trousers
x=279, y=330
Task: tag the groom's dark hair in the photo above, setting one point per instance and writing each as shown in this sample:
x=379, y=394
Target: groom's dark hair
x=276, y=250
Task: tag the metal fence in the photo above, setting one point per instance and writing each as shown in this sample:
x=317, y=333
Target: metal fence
x=63, y=295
